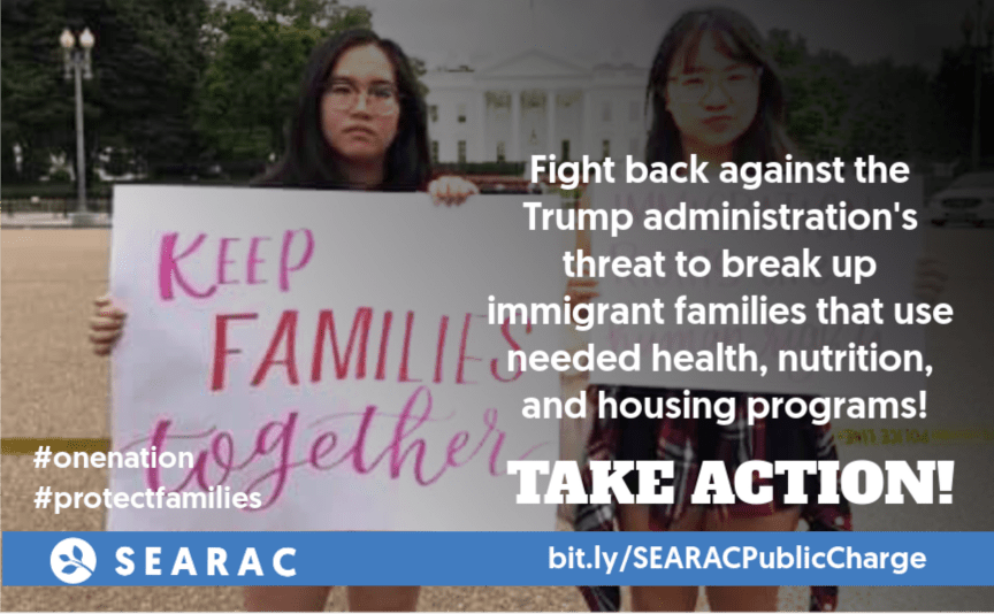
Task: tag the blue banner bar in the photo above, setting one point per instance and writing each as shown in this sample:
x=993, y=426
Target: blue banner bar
x=497, y=559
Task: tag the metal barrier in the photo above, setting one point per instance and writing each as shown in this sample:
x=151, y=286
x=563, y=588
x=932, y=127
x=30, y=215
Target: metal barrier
x=52, y=206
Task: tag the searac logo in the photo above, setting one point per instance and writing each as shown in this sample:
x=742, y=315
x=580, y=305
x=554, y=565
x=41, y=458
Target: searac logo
x=73, y=561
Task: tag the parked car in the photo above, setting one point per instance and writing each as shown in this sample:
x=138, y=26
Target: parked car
x=968, y=199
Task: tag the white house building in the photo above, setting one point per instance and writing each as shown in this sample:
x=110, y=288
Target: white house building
x=536, y=103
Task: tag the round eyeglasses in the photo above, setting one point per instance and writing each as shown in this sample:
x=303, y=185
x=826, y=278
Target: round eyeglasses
x=737, y=82
x=381, y=99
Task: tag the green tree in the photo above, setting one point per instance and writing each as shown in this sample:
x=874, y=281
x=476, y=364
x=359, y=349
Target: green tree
x=817, y=94
x=258, y=52
x=146, y=63
x=37, y=116
x=838, y=108
x=149, y=64
x=883, y=111
x=954, y=88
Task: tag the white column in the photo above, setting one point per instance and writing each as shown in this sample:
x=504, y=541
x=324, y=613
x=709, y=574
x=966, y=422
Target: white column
x=515, y=154
x=481, y=127
x=550, y=119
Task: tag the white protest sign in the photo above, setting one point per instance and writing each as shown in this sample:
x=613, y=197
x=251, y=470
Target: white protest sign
x=330, y=352
x=747, y=301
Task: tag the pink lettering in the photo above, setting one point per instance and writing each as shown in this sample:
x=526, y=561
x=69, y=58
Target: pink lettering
x=460, y=369
x=221, y=350
x=285, y=267
x=269, y=464
x=286, y=331
x=169, y=267
x=406, y=354
x=222, y=260
x=360, y=325
x=253, y=260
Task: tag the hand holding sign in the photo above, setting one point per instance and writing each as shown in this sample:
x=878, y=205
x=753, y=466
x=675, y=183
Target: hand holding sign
x=328, y=357
x=106, y=325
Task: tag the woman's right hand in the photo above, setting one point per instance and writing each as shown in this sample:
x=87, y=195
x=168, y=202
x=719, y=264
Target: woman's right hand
x=451, y=190
x=106, y=325
x=930, y=279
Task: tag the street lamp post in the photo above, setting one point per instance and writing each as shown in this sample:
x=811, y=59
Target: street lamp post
x=76, y=60
x=981, y=48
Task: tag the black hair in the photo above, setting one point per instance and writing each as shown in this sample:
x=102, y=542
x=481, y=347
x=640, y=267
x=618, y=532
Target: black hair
x=766, y=138
x=309, y=161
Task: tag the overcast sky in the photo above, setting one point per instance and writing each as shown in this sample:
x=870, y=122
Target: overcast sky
x=478, y=31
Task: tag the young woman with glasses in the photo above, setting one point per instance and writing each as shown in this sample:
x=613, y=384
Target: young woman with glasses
x=714, y=92
x=360, y=124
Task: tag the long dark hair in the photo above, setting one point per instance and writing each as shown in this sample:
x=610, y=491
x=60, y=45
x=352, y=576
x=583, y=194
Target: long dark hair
x=309, y=161
x=766, y=138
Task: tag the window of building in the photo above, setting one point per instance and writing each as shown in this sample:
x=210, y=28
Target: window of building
x=633, y=111
x=606, y=149
x=433, y=113
x=462, y=151
x=565, y=151
x=606, y=111
x=462, y=113
x=501, y=156
x=434, y=152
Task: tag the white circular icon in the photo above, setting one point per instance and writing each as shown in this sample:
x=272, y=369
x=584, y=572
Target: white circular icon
x=73, y=560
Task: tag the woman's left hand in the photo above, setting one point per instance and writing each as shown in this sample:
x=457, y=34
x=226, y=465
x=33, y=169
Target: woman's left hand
x=930, y=279
x=451, y=190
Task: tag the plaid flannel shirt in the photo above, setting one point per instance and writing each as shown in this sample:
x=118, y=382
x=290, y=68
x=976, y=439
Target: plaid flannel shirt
x=675, y=444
